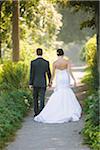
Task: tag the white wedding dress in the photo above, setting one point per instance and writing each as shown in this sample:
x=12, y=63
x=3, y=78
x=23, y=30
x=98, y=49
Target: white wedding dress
x=62, y=106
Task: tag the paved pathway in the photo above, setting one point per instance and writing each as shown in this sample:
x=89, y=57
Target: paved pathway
x=38, y=136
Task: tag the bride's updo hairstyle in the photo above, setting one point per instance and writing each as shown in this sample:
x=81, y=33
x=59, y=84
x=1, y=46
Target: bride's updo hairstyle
x=60, y=52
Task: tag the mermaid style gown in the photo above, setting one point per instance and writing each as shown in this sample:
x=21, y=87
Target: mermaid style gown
x=62, y=105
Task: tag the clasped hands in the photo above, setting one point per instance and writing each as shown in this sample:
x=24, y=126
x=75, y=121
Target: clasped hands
x=50, y=84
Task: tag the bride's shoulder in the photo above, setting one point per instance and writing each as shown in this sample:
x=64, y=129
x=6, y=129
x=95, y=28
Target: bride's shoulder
x=66, y=59
x=54, y=62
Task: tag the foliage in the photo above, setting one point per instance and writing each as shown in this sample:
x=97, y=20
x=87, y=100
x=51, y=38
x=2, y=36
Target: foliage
x=0, y=73
x=13, y=106
x=91, y=51
x=39, y=24
x=44, y=21
x=91, y=129
x=91, y=58
x=15, y=98
x=83, y=54
x=89, y=7
x=14, y=75
x=91, y=104
x=88, y=79
x=90, y=55
x=5, y=25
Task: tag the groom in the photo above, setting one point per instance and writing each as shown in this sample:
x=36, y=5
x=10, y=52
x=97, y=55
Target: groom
x=38, y=70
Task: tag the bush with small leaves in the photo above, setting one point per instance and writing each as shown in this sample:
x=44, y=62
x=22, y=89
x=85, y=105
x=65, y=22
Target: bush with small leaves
x=13, y=107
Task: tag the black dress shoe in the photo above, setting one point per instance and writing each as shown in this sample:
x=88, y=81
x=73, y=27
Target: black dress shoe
x=35, y=115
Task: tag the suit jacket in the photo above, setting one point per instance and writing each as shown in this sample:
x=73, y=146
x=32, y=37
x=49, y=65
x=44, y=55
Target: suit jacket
x=38, y=70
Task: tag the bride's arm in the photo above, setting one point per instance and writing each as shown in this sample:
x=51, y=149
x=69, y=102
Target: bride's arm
x=70, y=71
x=53, y=73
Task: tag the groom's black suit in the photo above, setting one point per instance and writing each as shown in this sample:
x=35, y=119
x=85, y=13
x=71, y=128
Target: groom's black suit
x=38, y=70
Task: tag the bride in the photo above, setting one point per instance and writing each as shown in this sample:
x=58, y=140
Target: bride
x=62, y=105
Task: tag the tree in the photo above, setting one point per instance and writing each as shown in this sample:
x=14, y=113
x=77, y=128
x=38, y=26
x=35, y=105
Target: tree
x=0, y=28
x=39, y=24
x=98, y=38
x=43, y=20
x=99, y=42
x=15, y=31
x=5, y=27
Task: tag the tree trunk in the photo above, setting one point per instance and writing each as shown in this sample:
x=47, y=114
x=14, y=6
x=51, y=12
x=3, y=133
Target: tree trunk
x=98, y=38
x=0, y=33
x=99, y=42
x=15, y=31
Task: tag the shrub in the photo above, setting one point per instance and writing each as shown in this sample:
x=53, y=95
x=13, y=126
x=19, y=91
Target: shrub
x=14, y=75
x=83, y=54
x=15, y=98
x=0, y=73
x=91, y=129
x=91, y=51
x=13, y=107
x=91, y=58
x=88, y=79
x=90, y=55
x=91, y=104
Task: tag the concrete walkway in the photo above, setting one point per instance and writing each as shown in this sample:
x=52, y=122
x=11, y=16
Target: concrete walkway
x=38, y=136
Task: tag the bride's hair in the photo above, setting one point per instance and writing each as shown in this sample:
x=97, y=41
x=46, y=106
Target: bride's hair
x=60, y=52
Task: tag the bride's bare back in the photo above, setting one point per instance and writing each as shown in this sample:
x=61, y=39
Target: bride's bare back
x=61, y=64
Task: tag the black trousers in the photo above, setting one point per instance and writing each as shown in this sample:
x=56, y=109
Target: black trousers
x=39, y=99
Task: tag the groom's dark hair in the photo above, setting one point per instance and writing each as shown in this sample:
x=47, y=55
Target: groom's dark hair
x=39, y=51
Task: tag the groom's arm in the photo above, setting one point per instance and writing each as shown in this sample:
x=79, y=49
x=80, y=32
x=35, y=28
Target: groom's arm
x=53, y=72
x=31, y=75
x=49, y=73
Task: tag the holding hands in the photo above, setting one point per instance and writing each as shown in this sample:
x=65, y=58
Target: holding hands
x=50, y=84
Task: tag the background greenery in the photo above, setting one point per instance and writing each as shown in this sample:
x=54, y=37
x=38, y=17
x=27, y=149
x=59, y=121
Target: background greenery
x=91, y=103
